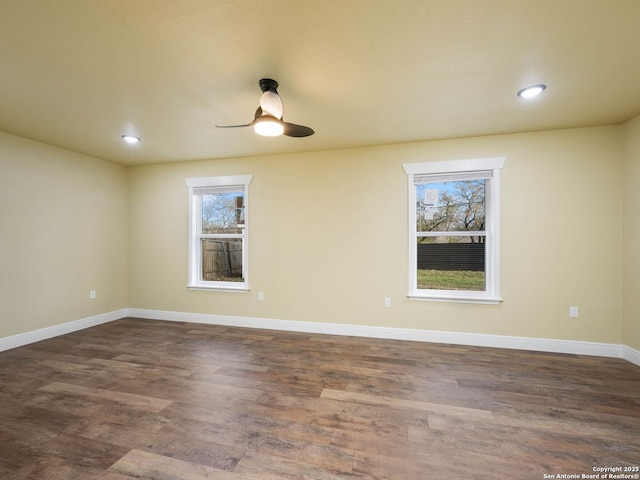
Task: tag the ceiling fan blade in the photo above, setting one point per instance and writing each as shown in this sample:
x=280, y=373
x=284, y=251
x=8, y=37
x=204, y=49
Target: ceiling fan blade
x=271, y=103
x=234, y=126
x=293, y=130
x=258, y=114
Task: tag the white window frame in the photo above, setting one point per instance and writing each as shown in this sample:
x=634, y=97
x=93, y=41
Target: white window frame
x=491, y=294
x=195, y=228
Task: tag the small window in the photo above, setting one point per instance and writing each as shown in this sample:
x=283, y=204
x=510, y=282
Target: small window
x=218, y=232
x=454, y=230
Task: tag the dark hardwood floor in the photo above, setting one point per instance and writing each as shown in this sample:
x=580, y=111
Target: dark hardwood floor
x=161, y=400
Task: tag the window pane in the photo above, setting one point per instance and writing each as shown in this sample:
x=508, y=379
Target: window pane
x=222, y=259
x=451, y=263
x=452, y=206
x=223, y=212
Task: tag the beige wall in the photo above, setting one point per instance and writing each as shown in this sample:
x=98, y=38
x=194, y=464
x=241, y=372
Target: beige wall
x=63, y=232
x=328, y=237
x=632, y=233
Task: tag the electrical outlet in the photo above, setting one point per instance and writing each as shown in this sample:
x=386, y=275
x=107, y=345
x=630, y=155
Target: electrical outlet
x=92, y=295
x=261, y=296
x=387, y=302
x=573, y=312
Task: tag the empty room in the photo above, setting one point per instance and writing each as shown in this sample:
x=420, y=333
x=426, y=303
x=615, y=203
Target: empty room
x=372, y=239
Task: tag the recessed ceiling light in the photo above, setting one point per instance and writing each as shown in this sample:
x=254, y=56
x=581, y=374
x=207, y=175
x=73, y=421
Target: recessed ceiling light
x=531, y=91
x=130, y=139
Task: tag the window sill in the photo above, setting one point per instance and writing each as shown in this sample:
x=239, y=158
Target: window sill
x=455, y=299
x=219, y=288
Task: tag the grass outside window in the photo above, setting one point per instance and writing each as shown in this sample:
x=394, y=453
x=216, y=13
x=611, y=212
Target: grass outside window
x=451, y=280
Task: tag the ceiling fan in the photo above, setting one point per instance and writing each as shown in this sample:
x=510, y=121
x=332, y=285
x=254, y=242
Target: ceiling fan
x=268, y=119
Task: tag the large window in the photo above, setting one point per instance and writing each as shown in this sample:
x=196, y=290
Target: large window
x=454, y=230
x=218, y=232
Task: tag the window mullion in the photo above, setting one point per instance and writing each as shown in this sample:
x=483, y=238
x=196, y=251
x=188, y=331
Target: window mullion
x=455, y=233
x=221, y=235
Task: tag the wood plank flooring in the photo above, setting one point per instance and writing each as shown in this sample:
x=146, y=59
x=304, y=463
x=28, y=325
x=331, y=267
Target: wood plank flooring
x=163, y=400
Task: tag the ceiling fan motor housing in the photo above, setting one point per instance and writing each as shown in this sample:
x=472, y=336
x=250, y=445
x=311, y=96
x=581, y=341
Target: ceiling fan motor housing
x=267, y=84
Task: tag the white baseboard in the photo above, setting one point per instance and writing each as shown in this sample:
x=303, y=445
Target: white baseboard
x=631, y=355
x=33, y=336
x=456, y=338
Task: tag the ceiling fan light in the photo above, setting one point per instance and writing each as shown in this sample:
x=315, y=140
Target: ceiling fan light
x=268, y=126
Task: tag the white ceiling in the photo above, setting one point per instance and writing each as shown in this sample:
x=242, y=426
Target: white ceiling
x=80, y=73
